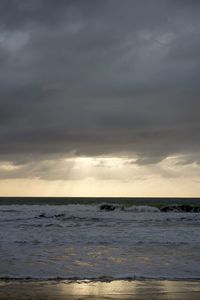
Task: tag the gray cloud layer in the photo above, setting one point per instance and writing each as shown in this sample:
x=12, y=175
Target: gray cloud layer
x=99, y=77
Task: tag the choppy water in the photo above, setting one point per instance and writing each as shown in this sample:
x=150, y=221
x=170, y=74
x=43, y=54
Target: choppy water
x=42, y=241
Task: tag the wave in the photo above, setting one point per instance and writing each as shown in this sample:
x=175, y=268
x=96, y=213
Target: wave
x=135, y=208
x=104, y=278
x=143, y=208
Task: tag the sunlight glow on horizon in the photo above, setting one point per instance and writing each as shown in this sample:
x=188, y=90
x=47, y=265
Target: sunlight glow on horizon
x=100, y=176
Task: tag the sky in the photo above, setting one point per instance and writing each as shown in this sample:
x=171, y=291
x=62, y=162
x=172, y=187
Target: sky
x=100, y=98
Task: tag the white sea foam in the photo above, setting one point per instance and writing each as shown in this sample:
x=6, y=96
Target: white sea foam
x=84, y=242
x=143, y=209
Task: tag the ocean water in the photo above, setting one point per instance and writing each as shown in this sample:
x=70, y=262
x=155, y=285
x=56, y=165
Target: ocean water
x=81, y=241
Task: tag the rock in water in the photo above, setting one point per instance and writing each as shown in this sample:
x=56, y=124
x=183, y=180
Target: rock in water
x=107, y=207
x=110, y=207
x=180, y=208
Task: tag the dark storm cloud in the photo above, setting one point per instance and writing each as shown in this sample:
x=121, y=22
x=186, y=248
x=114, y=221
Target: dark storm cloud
x=99, y=77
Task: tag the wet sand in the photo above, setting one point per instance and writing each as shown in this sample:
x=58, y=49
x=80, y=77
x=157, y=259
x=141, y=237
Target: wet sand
x=119, y=289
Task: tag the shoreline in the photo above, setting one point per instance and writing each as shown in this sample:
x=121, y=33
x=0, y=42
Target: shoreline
x=116, y=289
x=102, y=279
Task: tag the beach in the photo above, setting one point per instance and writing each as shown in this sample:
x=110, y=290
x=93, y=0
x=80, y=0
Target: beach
x=99, y=150
x=119, y=289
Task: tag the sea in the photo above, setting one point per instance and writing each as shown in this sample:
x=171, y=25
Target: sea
x=73, y=238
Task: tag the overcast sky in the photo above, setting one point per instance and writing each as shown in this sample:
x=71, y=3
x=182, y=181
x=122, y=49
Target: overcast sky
x=99, y=79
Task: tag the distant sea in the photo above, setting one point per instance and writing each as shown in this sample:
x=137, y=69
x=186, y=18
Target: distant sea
x=127, y=201
x=72, y=238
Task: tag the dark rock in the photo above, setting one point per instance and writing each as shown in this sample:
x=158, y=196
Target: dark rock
x=180, y=208
x=107, y=207
x=111, y=207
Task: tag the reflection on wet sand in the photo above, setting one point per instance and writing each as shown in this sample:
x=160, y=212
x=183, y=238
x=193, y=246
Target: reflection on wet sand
x=119, y=289
x=135, y=289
